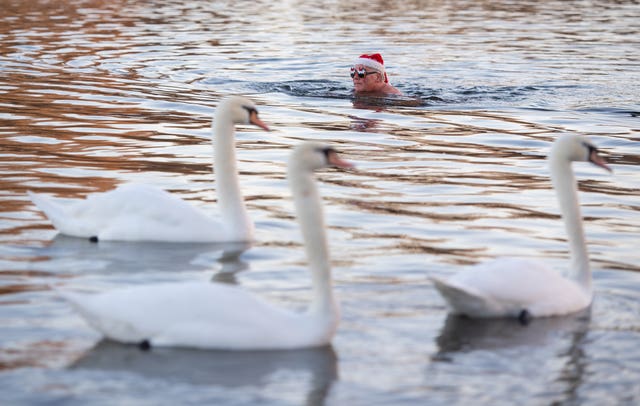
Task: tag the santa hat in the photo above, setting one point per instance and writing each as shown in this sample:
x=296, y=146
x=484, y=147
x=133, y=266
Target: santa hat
x=374, y=61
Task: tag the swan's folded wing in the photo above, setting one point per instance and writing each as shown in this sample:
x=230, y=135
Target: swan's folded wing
x=196, y=314
x=89, y=306
x=61, y=216
x=454, y=294
x=465, y=301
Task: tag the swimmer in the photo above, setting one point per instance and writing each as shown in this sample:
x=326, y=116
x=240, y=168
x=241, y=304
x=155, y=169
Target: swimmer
x=370, y=78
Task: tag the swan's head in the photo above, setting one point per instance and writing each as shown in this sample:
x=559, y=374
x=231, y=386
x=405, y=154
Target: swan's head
x=239, y=110
x=310, y=156
x=578, y=148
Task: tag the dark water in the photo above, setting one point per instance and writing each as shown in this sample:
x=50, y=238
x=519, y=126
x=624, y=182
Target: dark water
x=94, y=94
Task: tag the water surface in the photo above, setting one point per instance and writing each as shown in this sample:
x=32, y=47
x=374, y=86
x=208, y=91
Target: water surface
x=95, y=94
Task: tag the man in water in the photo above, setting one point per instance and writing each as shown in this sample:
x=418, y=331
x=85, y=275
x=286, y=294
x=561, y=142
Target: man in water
x=370, y=78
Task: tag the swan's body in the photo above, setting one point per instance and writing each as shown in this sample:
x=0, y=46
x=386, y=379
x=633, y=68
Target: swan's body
x=199, y=315
x=512, y=287
x=137, y=212
x=507, y=287
x=215, y=316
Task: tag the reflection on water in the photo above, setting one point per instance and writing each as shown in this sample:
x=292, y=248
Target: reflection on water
x=558, y=342
x=68, y=255
x=94, y=94
x=314, y=369
x=462, y=334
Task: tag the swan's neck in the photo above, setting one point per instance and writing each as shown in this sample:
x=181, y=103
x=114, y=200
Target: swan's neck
x=565, y=185
x=311, y=219
x=230, y=200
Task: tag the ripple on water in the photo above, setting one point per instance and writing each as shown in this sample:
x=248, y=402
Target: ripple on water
x=98, y=94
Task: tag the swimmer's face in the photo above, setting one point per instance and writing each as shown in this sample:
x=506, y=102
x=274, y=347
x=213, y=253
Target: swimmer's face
x=364, y=78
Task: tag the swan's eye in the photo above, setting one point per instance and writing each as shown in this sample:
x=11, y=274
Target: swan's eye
x=250, y=109
x=326, y=151
x=590, y=147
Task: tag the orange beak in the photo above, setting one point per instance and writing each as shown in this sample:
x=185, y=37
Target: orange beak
x=597, y=160
x=253, y=119
x=335, y=160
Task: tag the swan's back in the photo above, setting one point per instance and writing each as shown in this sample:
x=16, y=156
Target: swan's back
x=131, y=212
x=507, y=286
x=196, y=314
x=135, y=212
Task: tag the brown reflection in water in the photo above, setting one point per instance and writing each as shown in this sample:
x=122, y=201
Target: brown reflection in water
x=396, y=208
x=21, y=287
x=44, y=137
x=452, y=150
x=472, y=154
x=39, y=354
x=15, y=282
x=62, y=110
x=406, y=244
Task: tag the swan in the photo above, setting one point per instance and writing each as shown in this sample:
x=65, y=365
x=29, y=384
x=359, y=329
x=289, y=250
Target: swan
x=219, y=316
x=138, y=212
x=512, y=287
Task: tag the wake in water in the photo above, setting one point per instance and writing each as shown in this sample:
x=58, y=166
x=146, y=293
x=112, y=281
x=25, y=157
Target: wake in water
x=539, y=96
x=415, y=95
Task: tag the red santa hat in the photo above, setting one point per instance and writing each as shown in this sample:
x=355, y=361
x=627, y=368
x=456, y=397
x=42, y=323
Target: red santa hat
x=374, y=61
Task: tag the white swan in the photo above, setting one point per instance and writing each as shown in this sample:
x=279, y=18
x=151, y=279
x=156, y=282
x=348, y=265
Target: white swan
x=216, y=316
x=136, y=212
x=523, y=288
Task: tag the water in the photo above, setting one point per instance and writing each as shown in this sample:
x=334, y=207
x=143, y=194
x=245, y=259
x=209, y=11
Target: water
x=95, y=94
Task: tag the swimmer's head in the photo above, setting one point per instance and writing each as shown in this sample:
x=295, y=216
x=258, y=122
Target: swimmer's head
x=373, y=62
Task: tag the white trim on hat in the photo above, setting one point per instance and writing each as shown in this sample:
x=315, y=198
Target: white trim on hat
x=370, y=63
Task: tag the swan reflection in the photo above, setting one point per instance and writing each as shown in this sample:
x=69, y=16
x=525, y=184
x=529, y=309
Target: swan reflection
x=116, y=256
x=550, y=348
x=461, y=334
x=231, y=369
